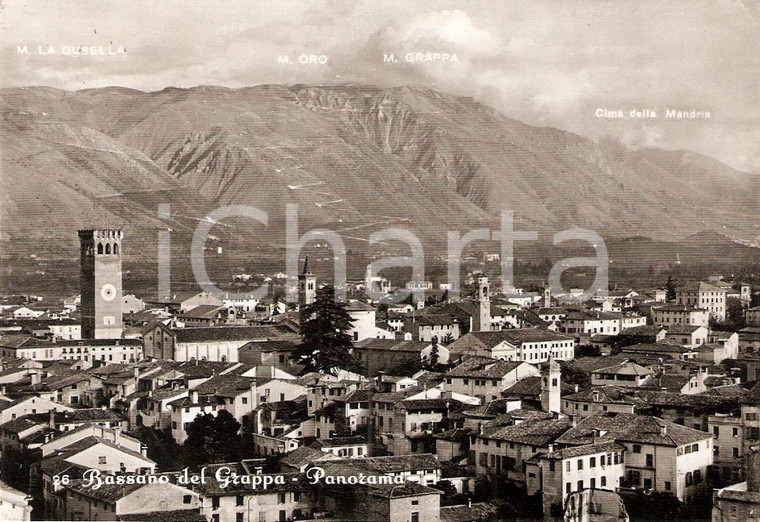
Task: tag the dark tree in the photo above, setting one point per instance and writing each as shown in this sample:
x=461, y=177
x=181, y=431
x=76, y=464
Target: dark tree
x=326, y=345
x=433, y=361
x=670, y=290
x=735, y=313
x=212, y=438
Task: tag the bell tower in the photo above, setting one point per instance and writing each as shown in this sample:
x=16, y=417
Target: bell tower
x=100, y=283
x=484, y=305
x=307, y=289
x=551, y=388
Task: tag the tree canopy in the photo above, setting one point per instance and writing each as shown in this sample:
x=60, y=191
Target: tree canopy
x=212, y=438
x=326, y=344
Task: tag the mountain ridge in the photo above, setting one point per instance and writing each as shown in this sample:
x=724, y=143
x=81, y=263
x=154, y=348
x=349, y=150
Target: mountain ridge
x=355, y=156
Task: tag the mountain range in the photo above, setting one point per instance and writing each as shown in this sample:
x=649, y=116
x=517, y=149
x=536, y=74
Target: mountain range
x=354, y=158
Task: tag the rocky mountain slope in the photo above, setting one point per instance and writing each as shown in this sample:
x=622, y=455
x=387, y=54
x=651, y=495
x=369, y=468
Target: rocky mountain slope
x=354, y=158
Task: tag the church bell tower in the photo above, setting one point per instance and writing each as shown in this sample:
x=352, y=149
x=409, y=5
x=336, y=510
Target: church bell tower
x=100, y=283
x=484, y=305
x=307, y=289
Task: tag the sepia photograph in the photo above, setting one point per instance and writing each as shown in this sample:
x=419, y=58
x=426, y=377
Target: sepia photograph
x=363, y=260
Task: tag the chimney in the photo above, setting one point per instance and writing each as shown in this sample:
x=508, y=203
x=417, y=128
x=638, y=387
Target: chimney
x=51, y=421
x=194, y=396
x=551, y=449
x=577, y=388
x=36, y=378
x=137, y=372
x=663, y=430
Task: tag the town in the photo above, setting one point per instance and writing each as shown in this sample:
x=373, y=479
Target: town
x=638, y=402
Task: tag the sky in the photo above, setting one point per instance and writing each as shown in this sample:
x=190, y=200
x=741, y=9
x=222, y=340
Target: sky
x=575, y=65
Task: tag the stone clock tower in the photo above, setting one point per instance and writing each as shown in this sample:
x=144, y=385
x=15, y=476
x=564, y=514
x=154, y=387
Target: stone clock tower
x=100, y=283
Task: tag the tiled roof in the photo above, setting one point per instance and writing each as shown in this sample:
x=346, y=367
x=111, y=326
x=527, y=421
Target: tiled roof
x=177, y=515
x=475, y=512
x=625, y=368
x=354, y=440
x=398, y=463
x=225, y=386
x=673, y=382
x=539, y=433
x=646, y=330
x=392, y=345
x=303, y=456
x=407, y=489
x=203, y=312
x=455, y=435
x=483, y=367
x=279, y=346
x=362, y=395
x=429, y=404
x=682, y=330
x=654, y=348
x=358, y=306
x=676, y=308
x=513, y=417
x=628, y=427
x=518, y=336
x=586, y=449
x=605, y=394
x=434, y=319
x=229, y=333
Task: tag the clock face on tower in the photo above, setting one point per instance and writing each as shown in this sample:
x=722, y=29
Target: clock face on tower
x=108, y=292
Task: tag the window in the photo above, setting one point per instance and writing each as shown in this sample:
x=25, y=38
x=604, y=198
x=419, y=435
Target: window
x=593, y=483
x=716, y=431
x=568, y=487
x=592, y=463
x=245, y=400
x=716, y=451
x=239, y=517
x=735, y=432
x=604, y=481
x=580, y=485
x=239, y=500
x=214, y=502
x=580, y=465
x=647, y=483
x=568, y=465
x=101, y=459
x=415, y=502
x=280, y=498
x=667, y=485
x=551, y=465
x=637, y=448
x=650, y=460
x=215, y=517
x=735, y=452
x=415, y=516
